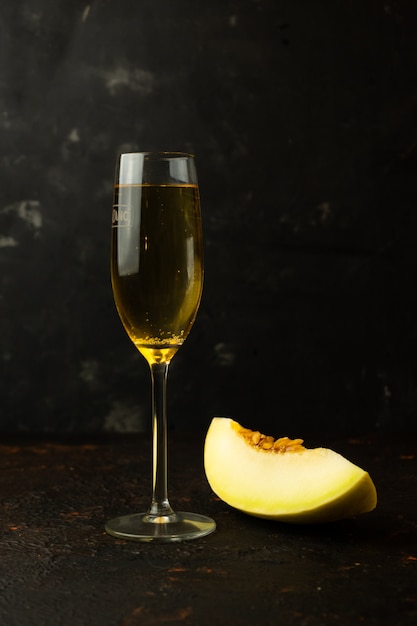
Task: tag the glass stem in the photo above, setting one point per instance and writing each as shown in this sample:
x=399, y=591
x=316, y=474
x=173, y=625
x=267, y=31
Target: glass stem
x=160, y=507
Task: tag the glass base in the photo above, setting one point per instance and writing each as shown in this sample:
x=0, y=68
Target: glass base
x=166, y=528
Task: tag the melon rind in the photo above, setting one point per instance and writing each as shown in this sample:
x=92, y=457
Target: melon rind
x=307, y=486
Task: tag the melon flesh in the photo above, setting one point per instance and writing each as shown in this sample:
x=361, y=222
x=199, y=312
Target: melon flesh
x=299, y=486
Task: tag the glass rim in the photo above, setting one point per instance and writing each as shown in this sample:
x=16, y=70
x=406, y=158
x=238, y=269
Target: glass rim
x=161, y=154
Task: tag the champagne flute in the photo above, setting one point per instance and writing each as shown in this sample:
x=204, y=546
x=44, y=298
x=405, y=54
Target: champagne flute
x=157, y=281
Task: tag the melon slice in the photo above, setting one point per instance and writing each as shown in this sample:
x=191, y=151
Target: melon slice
x=281, y=479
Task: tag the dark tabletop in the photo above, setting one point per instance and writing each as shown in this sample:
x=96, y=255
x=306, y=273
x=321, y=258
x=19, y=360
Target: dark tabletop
x=59, y=567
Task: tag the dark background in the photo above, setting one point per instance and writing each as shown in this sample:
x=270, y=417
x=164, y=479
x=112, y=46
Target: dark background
x=303, y=118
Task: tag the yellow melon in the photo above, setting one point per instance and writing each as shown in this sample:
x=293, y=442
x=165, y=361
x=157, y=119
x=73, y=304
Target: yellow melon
x=281, y=479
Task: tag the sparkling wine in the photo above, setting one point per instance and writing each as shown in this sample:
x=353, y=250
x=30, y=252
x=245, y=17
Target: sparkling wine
x=157, y=264
x=157, y=279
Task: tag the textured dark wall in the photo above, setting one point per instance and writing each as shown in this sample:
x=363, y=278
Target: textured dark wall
x=303, y=119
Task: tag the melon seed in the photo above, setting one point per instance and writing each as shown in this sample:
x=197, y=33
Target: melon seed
x=266, y=442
